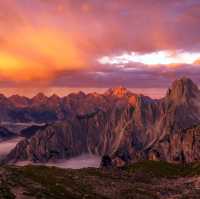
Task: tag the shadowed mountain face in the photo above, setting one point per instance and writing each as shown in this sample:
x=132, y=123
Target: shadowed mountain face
x=6, y=134
x=125, y=126
x=30, y=131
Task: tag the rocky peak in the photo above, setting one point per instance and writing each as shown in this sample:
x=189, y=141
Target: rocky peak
x=78, y=95
x=19, y=101
x=2, y=97
x=182, y=89
x=54, y=98
x=3, y=100
x=81, y=94
x=39, y=97
x=118, y=91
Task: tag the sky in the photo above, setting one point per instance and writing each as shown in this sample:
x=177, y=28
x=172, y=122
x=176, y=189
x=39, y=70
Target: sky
x=65, y=45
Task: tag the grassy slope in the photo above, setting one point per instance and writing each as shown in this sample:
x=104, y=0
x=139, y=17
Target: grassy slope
x=164, y=169
x=145, y=180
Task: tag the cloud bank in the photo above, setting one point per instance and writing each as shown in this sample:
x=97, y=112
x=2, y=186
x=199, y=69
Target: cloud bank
x=59, y=42
x=83, y=161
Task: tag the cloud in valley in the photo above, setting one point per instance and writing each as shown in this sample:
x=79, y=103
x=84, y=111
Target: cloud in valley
x=82, y=161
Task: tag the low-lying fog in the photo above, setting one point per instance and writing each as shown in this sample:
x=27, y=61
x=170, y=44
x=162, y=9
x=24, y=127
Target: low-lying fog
x=79, y=162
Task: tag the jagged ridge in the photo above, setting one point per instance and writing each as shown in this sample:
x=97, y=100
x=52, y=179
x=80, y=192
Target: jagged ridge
x=122, y=125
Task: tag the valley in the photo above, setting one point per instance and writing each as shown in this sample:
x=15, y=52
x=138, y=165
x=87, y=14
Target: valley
x=126, y=126
x=112, y=145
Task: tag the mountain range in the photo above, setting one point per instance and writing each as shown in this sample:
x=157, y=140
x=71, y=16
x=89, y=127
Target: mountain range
x=125, y=126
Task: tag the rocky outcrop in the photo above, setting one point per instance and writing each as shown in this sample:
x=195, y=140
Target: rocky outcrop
x=93, y=132
x=57, y=141
x=125, y=126
x=106, y=162
x=182, y=146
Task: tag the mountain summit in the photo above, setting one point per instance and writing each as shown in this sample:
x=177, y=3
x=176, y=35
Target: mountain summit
x=183, y=89
x=118, y=91
x=145, y=129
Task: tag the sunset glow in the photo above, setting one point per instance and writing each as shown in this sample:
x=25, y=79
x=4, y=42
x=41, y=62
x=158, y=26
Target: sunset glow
x=87, y=44
x=108, y=87
x=40, y=54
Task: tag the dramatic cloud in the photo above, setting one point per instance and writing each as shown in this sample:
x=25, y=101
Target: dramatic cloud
x=39, y=54
x=154, y=58
x=72, y=43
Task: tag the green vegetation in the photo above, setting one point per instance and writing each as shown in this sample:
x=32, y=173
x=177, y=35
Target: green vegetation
x=163, y=169
x=144, y=180
x=50, y=182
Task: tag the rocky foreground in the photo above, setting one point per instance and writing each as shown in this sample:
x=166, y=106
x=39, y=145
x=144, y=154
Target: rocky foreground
x=144, y=180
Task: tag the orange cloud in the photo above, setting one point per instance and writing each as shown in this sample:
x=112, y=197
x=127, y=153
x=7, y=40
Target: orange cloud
x=197, y=62
x=41, y=39
x=20, y=69
x=39, y=54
